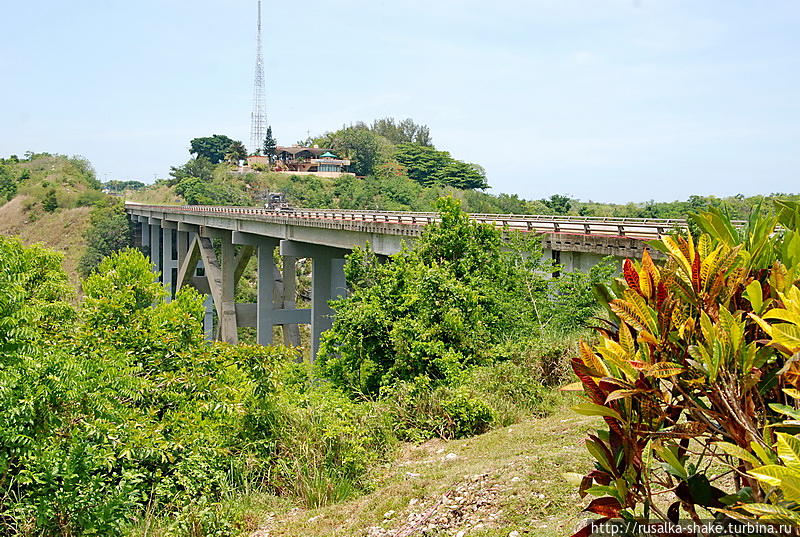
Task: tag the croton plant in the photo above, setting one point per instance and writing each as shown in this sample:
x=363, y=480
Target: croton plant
x=697, y=377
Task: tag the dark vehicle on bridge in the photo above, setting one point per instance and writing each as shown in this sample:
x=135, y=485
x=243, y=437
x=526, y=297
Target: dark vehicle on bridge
x=276, y=201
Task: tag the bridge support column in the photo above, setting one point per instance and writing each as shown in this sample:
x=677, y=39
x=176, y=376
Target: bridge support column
x=327, y=282
x=265, y=303
x=291, y=332
x=182, y=246
x=208, y=318
x=270, y=296
x=155, y=243
x=168, y=263
x=145, y=226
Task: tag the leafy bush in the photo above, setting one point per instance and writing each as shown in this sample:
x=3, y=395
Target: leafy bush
x=89, y=197
x=200, y=192
x=123, y=408
x=432, y=311
x=421, y=410
x=8, y=184
x=480, y=398
x=109, y=231
x=694, y=375
x=50, y=201
x=325, y=444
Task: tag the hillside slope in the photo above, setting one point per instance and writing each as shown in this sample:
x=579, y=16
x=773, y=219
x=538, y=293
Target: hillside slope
x=54, y=195
x=62, y=230
x=508, y=480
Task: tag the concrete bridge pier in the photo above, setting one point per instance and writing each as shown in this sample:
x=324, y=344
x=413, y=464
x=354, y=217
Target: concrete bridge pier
x=144, y=235
x=327, y=282
x=155, y=242
x=169, y=263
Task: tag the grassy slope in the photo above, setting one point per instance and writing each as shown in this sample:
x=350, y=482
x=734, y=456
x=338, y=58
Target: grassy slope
x=503, y=481
x=154, y=195
x=61, y=230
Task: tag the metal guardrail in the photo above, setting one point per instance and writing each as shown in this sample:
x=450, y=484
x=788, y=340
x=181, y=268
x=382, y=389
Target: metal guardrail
x=636, y=228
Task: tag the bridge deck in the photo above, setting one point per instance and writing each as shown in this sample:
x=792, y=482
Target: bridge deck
x=636, y=228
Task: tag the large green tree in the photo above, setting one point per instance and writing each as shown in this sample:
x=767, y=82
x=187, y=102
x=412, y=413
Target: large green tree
x=109, y=231
x=429, y=167
x=215, y=148
x=199, y=168
x=432, y=311
x=270, y=148
x=366, y=149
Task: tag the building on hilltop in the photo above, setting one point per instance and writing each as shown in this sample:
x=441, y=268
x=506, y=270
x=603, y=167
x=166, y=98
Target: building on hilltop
x=305, y=160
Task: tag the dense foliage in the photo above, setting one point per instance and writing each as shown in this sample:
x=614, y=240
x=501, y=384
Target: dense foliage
x=218, y=148
x=8, y=184
x=121, y=407
x=430, y=312
x=117, y=186
x=402, y=132
x=200, y=182
x=110, y=230
x=406, y=146
x=462, y=297
x=429, y=167
x=695, y=376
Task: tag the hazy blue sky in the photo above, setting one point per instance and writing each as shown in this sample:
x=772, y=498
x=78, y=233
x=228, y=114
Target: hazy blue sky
x=600, y=99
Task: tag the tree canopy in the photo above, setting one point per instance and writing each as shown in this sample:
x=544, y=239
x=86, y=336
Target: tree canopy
x=430, y=311
x=402, y=132
x=217, y=148
x=429, y=166
x=270, y=145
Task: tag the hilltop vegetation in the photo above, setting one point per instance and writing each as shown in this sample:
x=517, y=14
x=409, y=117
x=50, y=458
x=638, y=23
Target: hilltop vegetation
x=397, y=168
x=49, y=198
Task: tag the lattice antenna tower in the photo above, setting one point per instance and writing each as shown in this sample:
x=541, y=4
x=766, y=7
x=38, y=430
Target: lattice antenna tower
x=258, y=117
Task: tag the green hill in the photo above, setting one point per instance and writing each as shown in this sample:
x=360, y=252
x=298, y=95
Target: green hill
x=48, y=198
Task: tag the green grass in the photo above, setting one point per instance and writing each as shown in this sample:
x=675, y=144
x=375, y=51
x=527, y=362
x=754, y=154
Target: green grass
x=521, y=487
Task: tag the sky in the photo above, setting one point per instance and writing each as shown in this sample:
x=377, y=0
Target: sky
x=604, y=100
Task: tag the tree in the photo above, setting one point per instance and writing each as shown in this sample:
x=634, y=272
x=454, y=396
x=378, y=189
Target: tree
x=50, y=201
x=236, y=153
x=8, y=185
x=360, y=145
x=404, y=132
x=558, y=204
x=199, y=168
x=430, y=167
x=109, y=231
x=270, y=145
x=432, y=311
x=215, y=148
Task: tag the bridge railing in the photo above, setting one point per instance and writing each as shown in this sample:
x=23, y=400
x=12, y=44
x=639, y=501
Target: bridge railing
x=639, y=228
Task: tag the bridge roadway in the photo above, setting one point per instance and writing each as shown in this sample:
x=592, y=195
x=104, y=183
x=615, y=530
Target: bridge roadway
x=178, y=240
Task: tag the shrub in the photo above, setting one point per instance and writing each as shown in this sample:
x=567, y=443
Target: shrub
x=694, y=375
x=325, y=444
x=433, y=311
x=50, y=201
x=481, y=398
x=8, y=185
x=89, y=197
x=109, y=231
x=120, y=408
x=420, y=410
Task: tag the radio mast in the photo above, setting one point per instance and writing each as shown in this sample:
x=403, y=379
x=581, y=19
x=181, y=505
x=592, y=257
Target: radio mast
x=258, y=117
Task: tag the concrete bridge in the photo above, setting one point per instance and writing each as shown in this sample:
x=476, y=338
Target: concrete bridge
x=179, y=242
